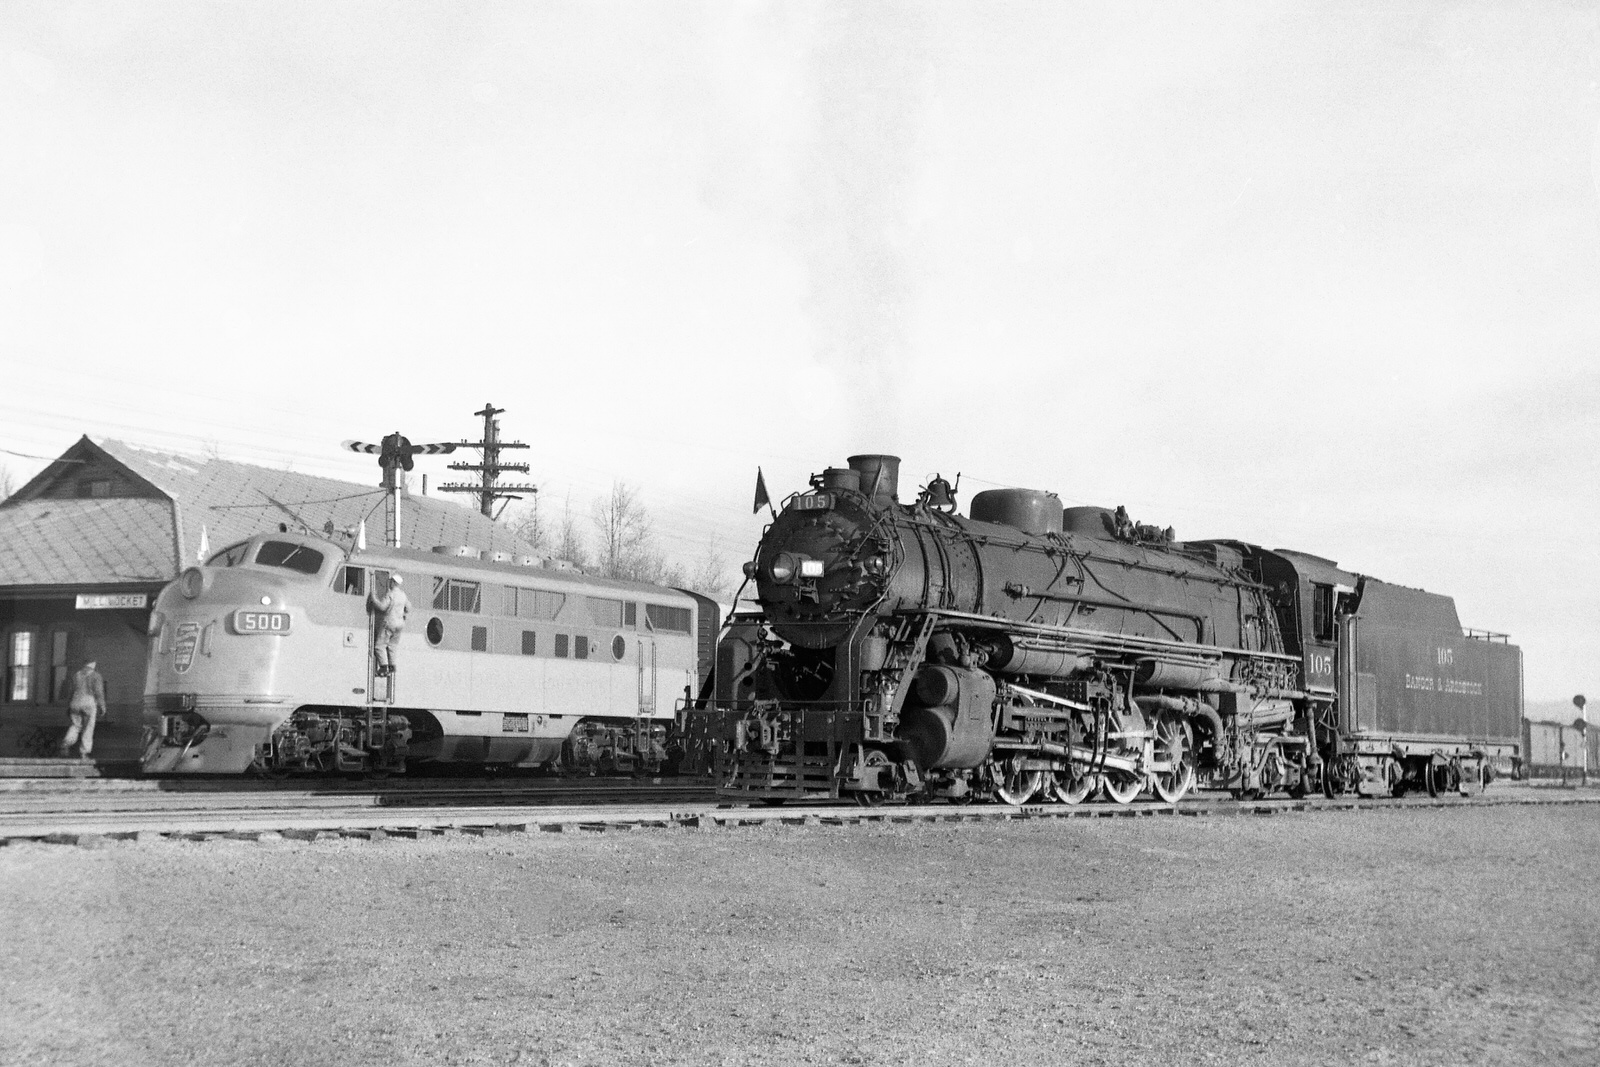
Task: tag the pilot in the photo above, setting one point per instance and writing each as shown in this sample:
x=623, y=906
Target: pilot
x=88, y=704
x=392, y=610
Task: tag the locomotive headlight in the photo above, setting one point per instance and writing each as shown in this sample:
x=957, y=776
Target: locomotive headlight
x=265, y=601
x=811, y=568
x=782, y=567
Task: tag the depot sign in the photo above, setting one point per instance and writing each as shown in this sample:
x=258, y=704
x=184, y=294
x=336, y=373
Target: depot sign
x=112, y=601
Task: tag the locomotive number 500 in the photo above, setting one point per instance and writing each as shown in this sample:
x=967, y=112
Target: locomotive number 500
x=261, y=622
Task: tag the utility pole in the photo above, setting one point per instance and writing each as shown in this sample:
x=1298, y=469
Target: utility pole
x=489, y=489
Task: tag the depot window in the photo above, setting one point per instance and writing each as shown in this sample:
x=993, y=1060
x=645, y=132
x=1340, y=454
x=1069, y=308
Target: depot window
x=19, y=667
x=290, y=556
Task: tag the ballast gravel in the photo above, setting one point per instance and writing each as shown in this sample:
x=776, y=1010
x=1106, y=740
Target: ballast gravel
x=1466, y=936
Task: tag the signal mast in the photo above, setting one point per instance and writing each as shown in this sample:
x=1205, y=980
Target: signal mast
x=489, y=489
x=394, y=455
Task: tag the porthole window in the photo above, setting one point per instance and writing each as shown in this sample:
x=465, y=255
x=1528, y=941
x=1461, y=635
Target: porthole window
x=435, y=631
x=619, y=647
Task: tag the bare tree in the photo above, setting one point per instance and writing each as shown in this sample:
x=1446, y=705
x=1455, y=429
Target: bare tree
x=710, y=577
x=623, y=526
x=529, y=525
x=8, y=482
x=569, y=543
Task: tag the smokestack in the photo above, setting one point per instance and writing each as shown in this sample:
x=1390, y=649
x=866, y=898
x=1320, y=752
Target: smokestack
x=880, y=476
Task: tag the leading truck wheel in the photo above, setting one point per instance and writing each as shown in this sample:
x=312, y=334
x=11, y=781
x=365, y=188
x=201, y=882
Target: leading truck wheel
x=874, y=763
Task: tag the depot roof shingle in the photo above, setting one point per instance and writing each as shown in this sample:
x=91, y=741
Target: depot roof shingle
x=108, y=512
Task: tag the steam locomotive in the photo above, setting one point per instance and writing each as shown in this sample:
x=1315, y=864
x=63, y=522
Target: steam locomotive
x=1029, y=651
x=262, y=660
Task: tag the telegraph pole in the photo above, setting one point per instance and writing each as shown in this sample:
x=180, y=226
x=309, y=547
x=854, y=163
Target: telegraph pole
x=489, y=489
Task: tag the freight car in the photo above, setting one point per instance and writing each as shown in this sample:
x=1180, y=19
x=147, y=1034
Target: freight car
x=262, y=659
x=1029, y=651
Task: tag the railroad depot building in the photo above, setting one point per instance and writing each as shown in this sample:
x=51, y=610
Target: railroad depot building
x=87, y=544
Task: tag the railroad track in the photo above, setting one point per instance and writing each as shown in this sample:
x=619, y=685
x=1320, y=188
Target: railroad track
x=309, y=821
x=153, y=797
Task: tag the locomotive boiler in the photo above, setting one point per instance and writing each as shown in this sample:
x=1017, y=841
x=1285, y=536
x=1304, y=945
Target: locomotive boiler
x=1030, y=651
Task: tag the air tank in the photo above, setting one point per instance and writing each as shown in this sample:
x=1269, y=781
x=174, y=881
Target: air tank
x=1029, y=510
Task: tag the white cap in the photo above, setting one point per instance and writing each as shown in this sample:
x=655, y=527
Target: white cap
x=395, y=579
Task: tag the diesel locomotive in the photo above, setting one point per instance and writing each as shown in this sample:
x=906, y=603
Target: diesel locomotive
x=262, y=660
x=1027, y=652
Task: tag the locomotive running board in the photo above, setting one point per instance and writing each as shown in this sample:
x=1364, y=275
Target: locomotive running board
x=1098, y=637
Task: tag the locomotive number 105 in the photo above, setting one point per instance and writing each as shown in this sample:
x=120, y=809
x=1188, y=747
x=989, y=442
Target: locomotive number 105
x=261, y=622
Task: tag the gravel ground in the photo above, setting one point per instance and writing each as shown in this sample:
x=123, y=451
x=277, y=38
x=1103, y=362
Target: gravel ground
x=1393, y=937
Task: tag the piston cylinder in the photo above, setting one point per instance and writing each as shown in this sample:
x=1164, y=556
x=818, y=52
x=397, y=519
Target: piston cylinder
x=955, y=732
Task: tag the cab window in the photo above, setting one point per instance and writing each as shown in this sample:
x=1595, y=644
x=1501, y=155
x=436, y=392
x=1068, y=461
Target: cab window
x=290, y=556
x=231, y=556
x=1322, y=612
x=352, y=580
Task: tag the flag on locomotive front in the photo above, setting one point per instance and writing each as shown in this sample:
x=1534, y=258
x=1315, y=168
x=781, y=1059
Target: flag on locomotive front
x=762, y=499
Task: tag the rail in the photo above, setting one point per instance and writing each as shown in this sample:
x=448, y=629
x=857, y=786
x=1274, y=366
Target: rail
x=1486, y=635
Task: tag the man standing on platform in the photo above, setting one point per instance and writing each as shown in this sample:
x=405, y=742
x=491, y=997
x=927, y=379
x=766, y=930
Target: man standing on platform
x=87, y=705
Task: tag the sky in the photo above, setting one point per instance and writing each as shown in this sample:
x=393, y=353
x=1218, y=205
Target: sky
x=1314, y=276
